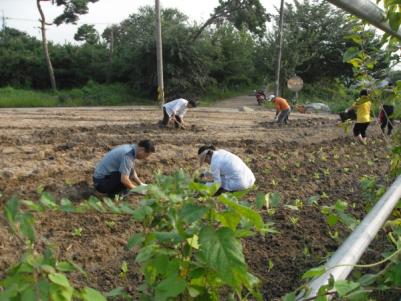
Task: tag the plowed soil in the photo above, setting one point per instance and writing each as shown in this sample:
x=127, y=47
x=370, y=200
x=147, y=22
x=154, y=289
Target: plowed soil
x=57, y=149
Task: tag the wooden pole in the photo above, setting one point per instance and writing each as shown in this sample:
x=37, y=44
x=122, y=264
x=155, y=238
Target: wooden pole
x=279, y=48
x=159, y=54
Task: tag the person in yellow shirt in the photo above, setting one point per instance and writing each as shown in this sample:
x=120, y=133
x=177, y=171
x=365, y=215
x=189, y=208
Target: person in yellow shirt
x=362, y=107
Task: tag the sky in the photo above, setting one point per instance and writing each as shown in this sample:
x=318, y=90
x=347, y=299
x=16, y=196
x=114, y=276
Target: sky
x=21, y=14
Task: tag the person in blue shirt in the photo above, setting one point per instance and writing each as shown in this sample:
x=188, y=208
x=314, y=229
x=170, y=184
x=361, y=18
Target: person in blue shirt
x=114, y=172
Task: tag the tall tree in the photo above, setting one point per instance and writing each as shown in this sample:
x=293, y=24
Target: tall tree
x=72, y=10
x=241, y=13
x=87, y=33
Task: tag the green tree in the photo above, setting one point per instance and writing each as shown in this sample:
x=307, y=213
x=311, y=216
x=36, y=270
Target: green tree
x=249, y=14
x=72, y=10
x=87, y=33
x=314, y=40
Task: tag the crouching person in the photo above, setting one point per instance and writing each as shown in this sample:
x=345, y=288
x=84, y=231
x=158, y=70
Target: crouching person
x=114, y=172
x=175, y=111
x=227, y=169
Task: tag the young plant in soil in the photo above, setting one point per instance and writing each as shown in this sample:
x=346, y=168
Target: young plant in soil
x=38, y=275
x=190, y=248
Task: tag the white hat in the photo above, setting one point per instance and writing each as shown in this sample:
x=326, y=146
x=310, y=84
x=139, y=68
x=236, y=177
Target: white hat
x=271, y=97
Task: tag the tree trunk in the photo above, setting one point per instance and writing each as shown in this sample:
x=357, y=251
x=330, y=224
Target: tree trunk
x=111, y=54
x=45, y=48
x=159, y=47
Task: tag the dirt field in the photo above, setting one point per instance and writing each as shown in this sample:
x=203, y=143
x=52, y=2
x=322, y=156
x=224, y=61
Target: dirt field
x=58, y=148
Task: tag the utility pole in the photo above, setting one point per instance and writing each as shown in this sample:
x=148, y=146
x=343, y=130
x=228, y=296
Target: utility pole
x=4, y=20
x=159, y=54
x=279, y=48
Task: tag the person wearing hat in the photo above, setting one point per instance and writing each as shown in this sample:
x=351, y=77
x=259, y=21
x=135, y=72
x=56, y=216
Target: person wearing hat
x=226, y=169
x=283, y=109
x=114, y=172
x=175, y=110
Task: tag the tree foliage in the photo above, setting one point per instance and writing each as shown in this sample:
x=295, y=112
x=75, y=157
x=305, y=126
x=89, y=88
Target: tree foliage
x=72, y=10
x=249, y=14
x=87, y=33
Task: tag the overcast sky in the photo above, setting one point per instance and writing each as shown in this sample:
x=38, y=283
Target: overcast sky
x=21, y=14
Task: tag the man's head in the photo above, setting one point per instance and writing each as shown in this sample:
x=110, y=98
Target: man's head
x=144, y=149
x=192, y=103
x=364, y=92
x=205, y=153
x=271, y=98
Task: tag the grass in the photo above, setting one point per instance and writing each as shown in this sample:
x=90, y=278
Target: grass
x=92, y=94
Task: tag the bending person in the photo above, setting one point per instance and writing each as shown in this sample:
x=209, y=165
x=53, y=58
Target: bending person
x=226, y=169
x=362, y=107
x=175, y=110
x=114, y=172
x=283, y=109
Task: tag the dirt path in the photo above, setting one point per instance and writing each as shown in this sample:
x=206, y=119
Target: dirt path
x=238, y=102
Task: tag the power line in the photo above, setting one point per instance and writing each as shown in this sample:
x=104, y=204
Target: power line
x=78, y=23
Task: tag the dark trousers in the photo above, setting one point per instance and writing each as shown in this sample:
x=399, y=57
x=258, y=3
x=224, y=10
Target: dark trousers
x=386, y=118
x=283, y=116
x=360, y=129
x=111, y=184
x=166, y=118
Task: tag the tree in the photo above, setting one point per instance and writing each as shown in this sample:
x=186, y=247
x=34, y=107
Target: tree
x=72, y=10
x=249, y=14
x=313, y=41
x=87, y=33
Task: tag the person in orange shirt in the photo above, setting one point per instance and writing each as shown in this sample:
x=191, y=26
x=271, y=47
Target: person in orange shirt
x=283, y=109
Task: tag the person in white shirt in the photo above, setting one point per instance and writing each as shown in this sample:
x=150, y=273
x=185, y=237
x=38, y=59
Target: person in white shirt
x=175, y=110
x=226, y=169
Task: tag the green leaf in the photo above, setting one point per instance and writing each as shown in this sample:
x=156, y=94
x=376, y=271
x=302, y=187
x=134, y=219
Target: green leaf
x=273, y=200
x=173, y=236
x=135, y=240
x=350, y=54
x=222, y=252
x=289, y=297
x=33, y=206
x=59, y=279
x=11, y=210
x=191, y=213
x=145, y=253
x=332, y=219
x=394, y=275
x=344, y=287
x=243, y=211
x=261, y=200
x=64, y=266
x=47, y=200
x=169, y=288
x=314, y=272
x=229, y=219
x=117, y=292
x=141, y=213
x=356, y=38
x=89, y=294
x=394, y=19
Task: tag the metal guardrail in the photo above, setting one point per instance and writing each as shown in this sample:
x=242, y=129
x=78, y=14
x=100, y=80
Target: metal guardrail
x=355, y=245
x=368, y=11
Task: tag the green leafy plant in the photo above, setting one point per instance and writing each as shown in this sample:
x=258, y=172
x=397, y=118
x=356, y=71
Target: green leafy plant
x=338, y=213
x=37, y=276
x=190, y=247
